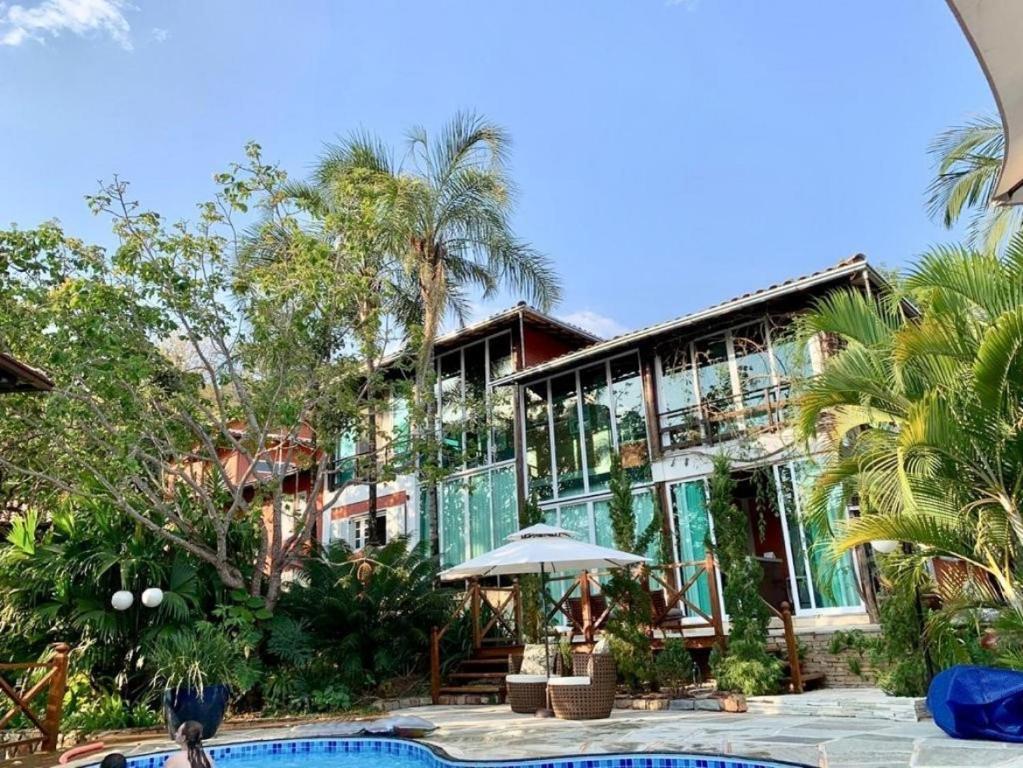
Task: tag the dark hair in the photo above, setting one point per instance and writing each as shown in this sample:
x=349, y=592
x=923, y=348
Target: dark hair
x=191, y=731
x=113, y=760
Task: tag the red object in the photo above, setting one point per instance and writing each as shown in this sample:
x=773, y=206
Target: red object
x=82, y=749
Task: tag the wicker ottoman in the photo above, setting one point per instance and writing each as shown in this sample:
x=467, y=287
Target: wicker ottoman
x=527, y=693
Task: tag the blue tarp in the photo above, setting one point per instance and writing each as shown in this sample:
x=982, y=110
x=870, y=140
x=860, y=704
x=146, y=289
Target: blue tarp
x=978, y=703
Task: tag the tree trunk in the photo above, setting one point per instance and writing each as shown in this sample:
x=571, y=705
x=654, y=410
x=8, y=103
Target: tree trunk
x=431, y=294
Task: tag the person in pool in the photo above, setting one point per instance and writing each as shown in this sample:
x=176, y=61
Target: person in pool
x=189, y=738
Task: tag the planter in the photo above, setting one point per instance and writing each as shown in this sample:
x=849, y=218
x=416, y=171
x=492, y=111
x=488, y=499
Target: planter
x=206, y=706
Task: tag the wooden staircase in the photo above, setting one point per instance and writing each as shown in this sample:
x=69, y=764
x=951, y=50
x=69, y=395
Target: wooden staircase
x=480, y=678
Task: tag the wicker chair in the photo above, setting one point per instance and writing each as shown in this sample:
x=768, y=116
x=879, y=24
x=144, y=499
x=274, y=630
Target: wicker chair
x=590, y=693
x=528, y=692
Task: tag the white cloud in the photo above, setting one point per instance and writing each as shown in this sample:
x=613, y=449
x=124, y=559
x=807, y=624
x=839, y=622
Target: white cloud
x=594, y=322
x=51, y=18
x=159, y=34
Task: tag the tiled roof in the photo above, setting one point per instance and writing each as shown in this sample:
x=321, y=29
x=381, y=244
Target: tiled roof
x=16, y=376
x=845, y=267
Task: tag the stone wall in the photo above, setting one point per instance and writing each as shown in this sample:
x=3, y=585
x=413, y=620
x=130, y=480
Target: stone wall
x=838, y=668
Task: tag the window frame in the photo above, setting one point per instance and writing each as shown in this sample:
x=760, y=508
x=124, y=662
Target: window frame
x=616, y=443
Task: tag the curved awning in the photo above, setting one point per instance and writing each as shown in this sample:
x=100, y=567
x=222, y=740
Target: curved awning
x=995, y=31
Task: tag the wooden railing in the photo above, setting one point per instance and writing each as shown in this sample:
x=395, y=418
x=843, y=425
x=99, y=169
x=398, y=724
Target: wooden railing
x=495, y=615
x=719, y=420
x=21, y=696
x=784, y=613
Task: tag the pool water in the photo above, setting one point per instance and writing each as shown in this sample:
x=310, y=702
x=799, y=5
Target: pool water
x=402, y=753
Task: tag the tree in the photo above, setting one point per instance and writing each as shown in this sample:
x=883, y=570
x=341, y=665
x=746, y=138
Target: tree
x=450, y=221
x=746, y=666
x=167, y=359
x=349, y=199
x=968, y=160
x=629, y=626
x=922, y=413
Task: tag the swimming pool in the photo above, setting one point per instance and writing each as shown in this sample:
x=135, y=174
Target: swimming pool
x=403, y=753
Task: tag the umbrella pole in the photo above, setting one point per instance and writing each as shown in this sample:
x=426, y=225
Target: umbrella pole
x=543, y=619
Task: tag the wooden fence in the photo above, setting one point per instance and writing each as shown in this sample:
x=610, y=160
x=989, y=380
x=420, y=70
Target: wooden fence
x=21, y=696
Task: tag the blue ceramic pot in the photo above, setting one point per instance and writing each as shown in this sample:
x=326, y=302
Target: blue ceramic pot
x=206, y=706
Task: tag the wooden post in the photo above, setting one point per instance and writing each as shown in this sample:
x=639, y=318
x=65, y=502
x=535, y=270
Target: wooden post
x=477, y=637
x=55, y=699
x=795, y=670
x=715, y=602
x=517, y=597
x=587, y=607
x=435, y=665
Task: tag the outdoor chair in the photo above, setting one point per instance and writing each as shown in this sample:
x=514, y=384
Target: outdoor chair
x=590, y=693
x=527, y=681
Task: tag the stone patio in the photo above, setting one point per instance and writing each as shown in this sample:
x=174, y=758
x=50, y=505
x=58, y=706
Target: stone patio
x=489, y=732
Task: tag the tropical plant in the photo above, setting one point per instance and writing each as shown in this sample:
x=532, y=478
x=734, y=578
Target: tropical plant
x=450, y=223
x=365, y=618
x=56, y=579
x=968, y=161
x=201, y=656
x=745, y=666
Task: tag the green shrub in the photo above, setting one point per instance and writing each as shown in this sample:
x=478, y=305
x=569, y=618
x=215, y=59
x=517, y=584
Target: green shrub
x=205, y=655
x=673, y=666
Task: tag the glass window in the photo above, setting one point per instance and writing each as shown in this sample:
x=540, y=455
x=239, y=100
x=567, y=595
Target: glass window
x=792, y=360
x=452, y=524
x=451, y=409
x=692, y=529
x=567, y=442
x=506, y=504
x=576, y=518
x=602, y=524
x=714, y=378
x=834, y=581
x=630, y=417
x=681, y=416
x=401, y=435
x=799, y=567
x=475, y=408
x=597, y=425
x=538, y=441
x=502, y=413
x=481, y=528
x=753, y=365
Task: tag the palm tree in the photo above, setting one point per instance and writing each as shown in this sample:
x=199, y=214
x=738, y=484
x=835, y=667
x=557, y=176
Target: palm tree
x=449, y=224
x=924, y=413
x=968, y=160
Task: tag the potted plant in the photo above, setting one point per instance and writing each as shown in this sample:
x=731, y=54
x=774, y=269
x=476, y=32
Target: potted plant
x=199, y=669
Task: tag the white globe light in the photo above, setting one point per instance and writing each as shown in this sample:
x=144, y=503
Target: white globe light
x=152, y=597
x=122, y=600
x=884, y=546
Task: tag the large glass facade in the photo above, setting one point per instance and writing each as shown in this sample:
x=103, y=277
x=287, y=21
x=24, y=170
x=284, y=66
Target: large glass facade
x=476, y=417
x=692, y=537
x=478, y=512
x=713, y=387
x=822, y=581
x=584, y=417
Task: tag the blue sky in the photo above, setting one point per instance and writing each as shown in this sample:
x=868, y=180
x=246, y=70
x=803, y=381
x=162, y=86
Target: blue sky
x=669, y=154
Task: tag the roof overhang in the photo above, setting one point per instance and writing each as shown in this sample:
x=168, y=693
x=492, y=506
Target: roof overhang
x=855, y=266
x=16, y=376
x=994, y=29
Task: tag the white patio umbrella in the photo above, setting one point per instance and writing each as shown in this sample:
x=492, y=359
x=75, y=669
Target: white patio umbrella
x=541, y=549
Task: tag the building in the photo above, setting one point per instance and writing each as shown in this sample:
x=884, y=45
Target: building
x=665, y=398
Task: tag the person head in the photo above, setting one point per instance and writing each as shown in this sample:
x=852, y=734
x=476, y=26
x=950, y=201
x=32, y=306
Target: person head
x=113, y=760
x=189, y=736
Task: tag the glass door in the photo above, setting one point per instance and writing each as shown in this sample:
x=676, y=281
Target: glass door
x=693, y=536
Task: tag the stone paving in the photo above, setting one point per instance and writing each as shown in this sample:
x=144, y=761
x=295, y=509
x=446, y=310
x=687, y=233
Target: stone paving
x=495, y=732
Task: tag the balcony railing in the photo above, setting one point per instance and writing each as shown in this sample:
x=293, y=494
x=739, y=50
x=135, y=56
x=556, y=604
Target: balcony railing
x=721, y=420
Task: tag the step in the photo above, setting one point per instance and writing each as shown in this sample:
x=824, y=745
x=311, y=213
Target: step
x=480, y=690
x=857, y=703
x=460, y=675
x=811, y=681
x=489, y=663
